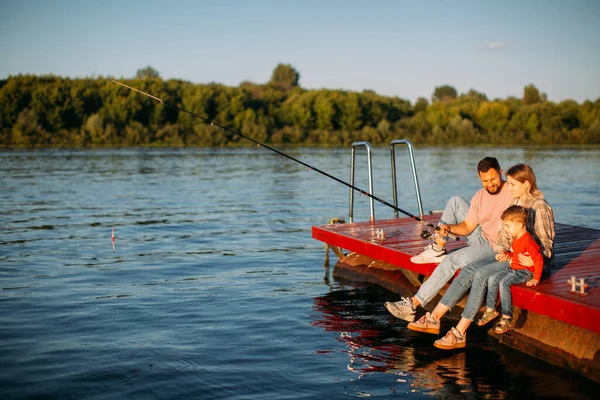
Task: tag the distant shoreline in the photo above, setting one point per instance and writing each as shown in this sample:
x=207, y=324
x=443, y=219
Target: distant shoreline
x=54, y=112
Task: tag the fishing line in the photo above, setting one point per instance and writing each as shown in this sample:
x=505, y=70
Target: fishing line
x=259, y=144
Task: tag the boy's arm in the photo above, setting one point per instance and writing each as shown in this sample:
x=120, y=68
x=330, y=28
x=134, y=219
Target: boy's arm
x=503, y=256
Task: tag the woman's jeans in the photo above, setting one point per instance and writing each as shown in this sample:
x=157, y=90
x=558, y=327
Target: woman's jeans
x=478, y=252
x=476, y=277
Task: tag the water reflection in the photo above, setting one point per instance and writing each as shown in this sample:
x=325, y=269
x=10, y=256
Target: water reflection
x=376, y=343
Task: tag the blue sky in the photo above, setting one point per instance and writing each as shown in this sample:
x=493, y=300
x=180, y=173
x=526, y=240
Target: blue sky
x=396, y=48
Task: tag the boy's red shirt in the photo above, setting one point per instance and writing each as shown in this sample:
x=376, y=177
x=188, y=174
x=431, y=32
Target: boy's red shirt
x=528, y=246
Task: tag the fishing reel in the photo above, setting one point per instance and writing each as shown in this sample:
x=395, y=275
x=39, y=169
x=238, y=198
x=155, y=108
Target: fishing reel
x=426, y=234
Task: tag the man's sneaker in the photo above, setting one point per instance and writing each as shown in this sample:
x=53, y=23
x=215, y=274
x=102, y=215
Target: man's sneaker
x=452, y=340
x=429, y=255
x=403, y=309
x=426, y=324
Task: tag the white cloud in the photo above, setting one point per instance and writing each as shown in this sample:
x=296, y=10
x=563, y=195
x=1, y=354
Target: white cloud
x=494, y=46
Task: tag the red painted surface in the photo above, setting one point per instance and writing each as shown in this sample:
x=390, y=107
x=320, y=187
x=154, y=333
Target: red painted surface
x=577, y=253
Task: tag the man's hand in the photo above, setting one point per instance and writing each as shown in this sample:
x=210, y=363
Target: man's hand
x=532, y=282
x=444, y=230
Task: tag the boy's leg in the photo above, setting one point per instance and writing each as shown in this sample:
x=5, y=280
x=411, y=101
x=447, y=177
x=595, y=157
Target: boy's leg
x=480, y=280
x=493, y=285
x=514, y=277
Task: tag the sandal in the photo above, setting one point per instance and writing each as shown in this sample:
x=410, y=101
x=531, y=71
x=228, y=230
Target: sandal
x=487, y=317
x=503, y=325
x=452, y=340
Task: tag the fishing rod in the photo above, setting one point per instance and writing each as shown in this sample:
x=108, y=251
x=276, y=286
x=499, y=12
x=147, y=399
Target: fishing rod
x=259, y=144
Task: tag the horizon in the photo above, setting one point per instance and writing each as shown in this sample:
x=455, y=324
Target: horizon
x=396, y=49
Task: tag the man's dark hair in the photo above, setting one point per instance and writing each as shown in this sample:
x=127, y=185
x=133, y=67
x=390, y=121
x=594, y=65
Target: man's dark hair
x=488, y=163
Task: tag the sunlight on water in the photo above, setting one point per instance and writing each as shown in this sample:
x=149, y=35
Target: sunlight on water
x=216, y=288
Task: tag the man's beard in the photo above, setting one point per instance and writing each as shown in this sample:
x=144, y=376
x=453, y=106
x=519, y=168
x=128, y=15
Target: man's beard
x=497, y=190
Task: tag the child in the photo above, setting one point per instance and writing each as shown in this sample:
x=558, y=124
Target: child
x=514, y=221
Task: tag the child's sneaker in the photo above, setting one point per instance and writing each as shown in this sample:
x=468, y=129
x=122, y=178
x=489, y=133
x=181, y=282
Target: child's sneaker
x=452, y=340
x=403, y=309
x=503, y=325
x=429, y=255
x=487, y=317
x=426, y=324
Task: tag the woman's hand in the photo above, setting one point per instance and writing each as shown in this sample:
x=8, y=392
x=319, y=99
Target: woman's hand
x=532, y=282
x=525, y=260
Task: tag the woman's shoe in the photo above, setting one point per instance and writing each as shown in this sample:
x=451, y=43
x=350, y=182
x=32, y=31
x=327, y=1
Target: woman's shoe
x=452, y=340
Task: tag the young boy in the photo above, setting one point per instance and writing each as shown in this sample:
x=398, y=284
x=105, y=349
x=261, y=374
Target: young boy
x=514, y=221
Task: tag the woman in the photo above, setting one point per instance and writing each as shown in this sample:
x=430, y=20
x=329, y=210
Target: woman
x=522, y=184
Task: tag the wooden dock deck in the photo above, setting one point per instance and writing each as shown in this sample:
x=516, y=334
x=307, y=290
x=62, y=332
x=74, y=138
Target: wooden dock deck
x=577, y=253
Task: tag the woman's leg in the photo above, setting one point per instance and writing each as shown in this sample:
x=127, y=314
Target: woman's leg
x=456, y=290
x=475, y=255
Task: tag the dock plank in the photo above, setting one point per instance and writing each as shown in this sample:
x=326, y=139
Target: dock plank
x=577, y=253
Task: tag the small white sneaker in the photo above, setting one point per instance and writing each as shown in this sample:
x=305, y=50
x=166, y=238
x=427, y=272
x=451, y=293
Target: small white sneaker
x=402, y=309
x=429, y=255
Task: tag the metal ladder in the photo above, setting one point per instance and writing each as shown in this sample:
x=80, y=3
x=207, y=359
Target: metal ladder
x=393, y=144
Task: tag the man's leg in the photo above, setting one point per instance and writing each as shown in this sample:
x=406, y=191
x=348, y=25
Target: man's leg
x=455, y=211
x=479, y=254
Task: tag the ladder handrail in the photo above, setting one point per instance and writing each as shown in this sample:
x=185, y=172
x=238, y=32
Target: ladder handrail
x=367, y=145
x=414, y=171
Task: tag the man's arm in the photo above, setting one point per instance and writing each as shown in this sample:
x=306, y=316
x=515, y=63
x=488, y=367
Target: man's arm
x=461, y=229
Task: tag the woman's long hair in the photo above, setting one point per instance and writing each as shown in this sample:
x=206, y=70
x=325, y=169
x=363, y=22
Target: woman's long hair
x=522, y=173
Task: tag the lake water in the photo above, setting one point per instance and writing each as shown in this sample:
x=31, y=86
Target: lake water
x=216, y=289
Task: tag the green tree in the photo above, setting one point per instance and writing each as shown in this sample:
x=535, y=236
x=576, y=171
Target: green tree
x=444, y=93
x=324, y=111
x=531, y=95
x=473, y=94
x=285, y=77
x=421, y=104
x=147, y=73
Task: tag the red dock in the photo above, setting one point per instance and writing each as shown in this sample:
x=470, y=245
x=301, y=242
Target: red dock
x=577, y=253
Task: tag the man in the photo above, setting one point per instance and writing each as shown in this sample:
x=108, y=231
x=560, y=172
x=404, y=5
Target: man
x=478, y=222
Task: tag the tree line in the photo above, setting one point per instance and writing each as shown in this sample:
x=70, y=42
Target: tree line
x=51, y=111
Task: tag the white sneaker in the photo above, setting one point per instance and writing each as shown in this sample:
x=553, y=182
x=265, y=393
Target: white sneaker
x=429, y=255
x=403, y=309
